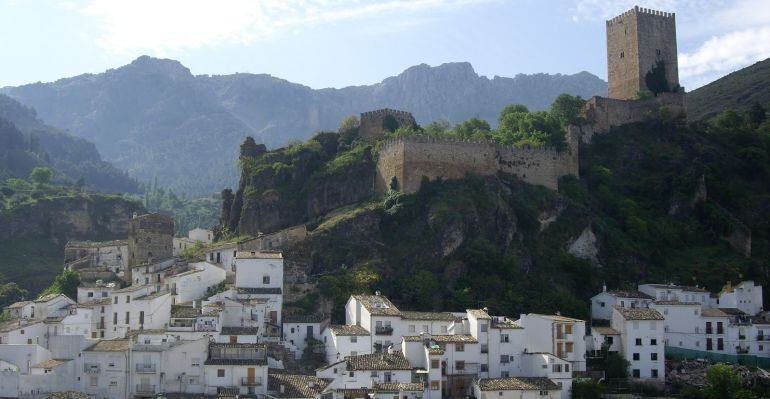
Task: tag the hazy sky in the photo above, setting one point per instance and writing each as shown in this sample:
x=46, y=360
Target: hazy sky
x=336, y=43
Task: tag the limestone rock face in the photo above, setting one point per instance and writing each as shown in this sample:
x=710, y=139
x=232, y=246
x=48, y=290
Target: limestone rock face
x=584, y=247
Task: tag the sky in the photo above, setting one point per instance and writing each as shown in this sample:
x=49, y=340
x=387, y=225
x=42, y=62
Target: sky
x=337, y=43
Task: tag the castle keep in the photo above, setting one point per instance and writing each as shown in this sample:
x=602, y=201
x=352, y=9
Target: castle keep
x=637, y=40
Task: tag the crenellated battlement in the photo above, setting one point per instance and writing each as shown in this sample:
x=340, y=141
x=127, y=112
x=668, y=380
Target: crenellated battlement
x=391, y=142
x=385, y=111
x=639, y=10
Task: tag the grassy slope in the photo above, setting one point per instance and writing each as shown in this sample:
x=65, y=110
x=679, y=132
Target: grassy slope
x=737, y=90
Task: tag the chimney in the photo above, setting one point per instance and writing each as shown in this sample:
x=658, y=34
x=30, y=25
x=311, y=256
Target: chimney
x=377, y=293
x=558, y=313
x=604, y=286
x=134, y=215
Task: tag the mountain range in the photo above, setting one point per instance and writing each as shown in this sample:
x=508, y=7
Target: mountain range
x=155, y=119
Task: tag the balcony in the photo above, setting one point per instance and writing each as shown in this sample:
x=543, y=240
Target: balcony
x=741, y=337
x=741, y=351
x=251, y=382
x=383, y=330
x=145, y=368
x=91, y=368
x=762, y=337
x=145, y=389
x=467, y=369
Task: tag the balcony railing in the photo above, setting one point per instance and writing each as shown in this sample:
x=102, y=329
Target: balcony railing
x=145, y=368
x=145, y=388
x=383, y=330
x=91, y=368
x=467, y=368
x=251, y=382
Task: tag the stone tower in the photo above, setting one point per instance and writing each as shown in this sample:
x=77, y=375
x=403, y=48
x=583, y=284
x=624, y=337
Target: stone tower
x=636, y=41
x=150, y=239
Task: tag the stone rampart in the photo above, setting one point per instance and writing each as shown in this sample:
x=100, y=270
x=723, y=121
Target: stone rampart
x=409, y=159
x=602, y=113
x=371, y=122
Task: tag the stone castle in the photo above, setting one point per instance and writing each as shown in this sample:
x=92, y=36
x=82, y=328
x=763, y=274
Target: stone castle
x=637, y=41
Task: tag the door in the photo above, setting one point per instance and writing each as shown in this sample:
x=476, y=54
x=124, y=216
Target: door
x=273, y=317
x=250, y=374
x=310, y=331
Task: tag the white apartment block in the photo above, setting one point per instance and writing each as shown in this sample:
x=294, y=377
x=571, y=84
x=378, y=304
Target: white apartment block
x=604, y=302
x=642, y=342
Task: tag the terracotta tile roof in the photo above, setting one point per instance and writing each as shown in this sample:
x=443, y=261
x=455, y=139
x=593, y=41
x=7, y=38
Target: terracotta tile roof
x=453, y=339
x=713, y=313
x=378, y=305
x=432, y=316
x=676, y=303
x=46, y=298
x=215, y=345
x=556, y=317
x=605, y=330
x=517, y=383
x=184, y=312
x=480, y=314
x=109, y=345
x=399, y=386
x=259, y=291
x=95, y=244
x=259, y=255
x=678, y=287
x=97, y=302
x=733, y=311
x=639, y=314
x=49, y=364
x=435, y=350
x=506, y=324
x=629, y=294
x=152, y=295
x=299, y=318
x=354, y=392
x=345, y=329
x=130, y=288
x=65, y=395
x=20, y=304
x=239, y=330
x=15, y=324
x=378, y=361
x=295, y=385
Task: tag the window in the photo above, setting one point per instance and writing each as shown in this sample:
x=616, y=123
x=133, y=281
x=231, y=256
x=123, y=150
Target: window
x=556, y=368
x=504, y=338
x=220, y=373
x=94, y=381
x=568, y=328
x=708, y=327
x=434, y=385
x=657, y=52
x=601, y=304
x=654, y=356
x=375, y=374
x=195, y=362
x=720, y=329
x=484, y=348
x=353, y=353
x=484, y=327
x=90, y=294
x=265, y=279
x=636, y=356
x=566, y=368
x=720, y=344
x=113, y=383
x=459, y=347
x=653, y=341
x=654, y=373
x=411, y=328
x=388, y=377
x=484, y=367
x=460, y=365
x=128, y=317
x=434, y=364
x=505, y=374
x=425, y=328
x=636, y=373
x=351, y=374
x=709, y=344
x=353, y=339
x=608, y=340
x=543, y=393
x=504, y=359
x=128, y=298
x=115, y=300
x=141, y=317
x=638, y=342
x=568, y=347
x=115, y=318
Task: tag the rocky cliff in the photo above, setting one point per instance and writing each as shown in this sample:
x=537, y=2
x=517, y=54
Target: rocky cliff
x=33, y=234
x=155, y=119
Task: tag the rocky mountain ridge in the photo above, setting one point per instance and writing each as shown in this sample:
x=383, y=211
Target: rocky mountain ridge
x=155, y=119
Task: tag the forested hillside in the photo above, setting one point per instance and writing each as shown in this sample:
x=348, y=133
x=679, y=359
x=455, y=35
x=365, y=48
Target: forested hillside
x=655, y=202
x=738, y=90
x=154, y=118
x=26, y=143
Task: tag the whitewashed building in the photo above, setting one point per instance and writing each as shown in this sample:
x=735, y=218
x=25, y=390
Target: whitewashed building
x=642, y=342
x=604, y=302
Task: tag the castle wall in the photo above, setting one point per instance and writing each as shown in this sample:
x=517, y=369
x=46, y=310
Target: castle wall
x=636, y=41
x=409, y=159
x=371, y=122
x=150, y=238
x=604, y=113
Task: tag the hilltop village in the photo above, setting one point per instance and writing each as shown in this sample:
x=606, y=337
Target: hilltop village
x=146, y=322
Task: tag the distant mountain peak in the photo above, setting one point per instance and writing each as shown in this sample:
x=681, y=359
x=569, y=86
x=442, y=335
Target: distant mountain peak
x=164, y=66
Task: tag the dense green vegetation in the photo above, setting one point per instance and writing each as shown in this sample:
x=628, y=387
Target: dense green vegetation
x=188, y=213
x=27, y=143
x=738, y=90
x=662, y=200
x=517, y=126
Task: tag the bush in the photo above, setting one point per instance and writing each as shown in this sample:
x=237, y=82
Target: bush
x=586, y=389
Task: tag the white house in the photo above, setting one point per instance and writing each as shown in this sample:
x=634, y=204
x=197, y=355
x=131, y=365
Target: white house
x=237, y=368
x=746, y=296
x=603, y=302
x=672, y=292
x=562, y=336
x=642, y=335
x=363, y=371
x=192, y=284
x=346, y=340
x=201, y=235
x=294, y=386
x=106, y=369
x=516, y=388
x=298, y=329
x=682, y=326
